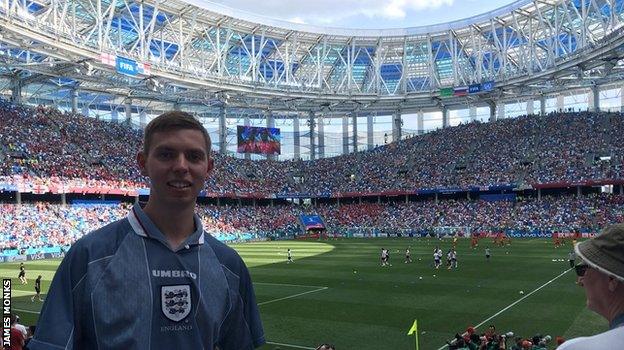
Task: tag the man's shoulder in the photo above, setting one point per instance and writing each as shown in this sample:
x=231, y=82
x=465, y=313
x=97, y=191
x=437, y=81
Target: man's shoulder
x=226, y=255
x=105, y=239
x=611, y=339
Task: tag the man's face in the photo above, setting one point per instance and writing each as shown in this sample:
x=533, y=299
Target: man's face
x=177, y=164
x=596, y=286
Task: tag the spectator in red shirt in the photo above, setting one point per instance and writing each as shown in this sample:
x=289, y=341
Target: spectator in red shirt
x=17, y=337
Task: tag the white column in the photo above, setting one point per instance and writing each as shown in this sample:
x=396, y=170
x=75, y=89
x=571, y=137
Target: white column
x=396, y=126
x=500, y=110
x=321, y=136
x=542, y=100
x=560, y=102
x=594, y=102
x=143, y=119
x=312, y=125
x=445, y=117
x=420, y=122
x=492, y=106
x=128, y=109
x=270, y=123
x=74, y=101
x=369, y=131
x=246, y=122
x=354, y=118
x=622, y=99
x=530, y=108
x=296, y=138
x=16, y=90
x=345, y=134
x=222, y=131
x=473, y=113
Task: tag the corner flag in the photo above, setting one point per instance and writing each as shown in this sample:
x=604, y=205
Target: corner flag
x=414, y=330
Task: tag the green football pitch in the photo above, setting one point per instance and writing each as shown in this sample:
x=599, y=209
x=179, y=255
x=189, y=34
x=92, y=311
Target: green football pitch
x=337, y=292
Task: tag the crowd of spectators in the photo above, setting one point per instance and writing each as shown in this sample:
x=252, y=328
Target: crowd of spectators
x=491, y=339
x=41, y=224
x=550, y=214
x=43, y=145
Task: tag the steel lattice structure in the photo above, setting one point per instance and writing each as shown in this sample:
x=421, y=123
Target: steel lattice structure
x=206, y=55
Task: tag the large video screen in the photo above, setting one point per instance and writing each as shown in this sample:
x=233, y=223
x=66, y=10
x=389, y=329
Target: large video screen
x=253, y=139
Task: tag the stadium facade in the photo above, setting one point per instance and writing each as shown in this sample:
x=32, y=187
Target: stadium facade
x=332, y=91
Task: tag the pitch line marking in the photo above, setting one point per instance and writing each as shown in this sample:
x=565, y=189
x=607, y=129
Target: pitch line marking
x=516, y=302
x=289, y=285
x=22, y=292
x=293, y=296
x=290, y=345
x=27, y=311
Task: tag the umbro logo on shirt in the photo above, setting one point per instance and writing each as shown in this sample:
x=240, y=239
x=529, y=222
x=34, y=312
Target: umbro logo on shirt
x=174, y=273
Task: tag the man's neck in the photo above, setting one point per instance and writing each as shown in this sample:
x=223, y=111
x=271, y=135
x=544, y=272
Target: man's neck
x=616, y=317
x=175, y=223
x=614, y=309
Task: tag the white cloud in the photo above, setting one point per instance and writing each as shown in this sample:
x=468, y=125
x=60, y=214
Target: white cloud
x=296, y=20
x=332, y=11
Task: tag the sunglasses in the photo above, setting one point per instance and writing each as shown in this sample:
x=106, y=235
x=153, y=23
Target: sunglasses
x=580, y=269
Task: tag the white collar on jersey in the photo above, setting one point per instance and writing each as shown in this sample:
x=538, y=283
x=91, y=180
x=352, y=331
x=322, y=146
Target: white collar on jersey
x=141, y=225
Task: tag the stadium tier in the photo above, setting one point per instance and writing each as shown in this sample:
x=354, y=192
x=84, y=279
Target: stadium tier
x=35, y=227
x=44, y=150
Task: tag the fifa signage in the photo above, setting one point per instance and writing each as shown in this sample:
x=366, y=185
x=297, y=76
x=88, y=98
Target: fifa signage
x=487, y=86
x=126, y=66
x=475, y=88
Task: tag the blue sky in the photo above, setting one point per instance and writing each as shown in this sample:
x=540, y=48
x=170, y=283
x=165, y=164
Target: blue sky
x=368, y=14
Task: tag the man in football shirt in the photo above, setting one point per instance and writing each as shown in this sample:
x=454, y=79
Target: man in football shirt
x=384, y=257
x=155, y=280
x=22, y=274
x=572, y=258
x=408, y=255
x=453, y=259
x=437, y=256
x=37, y=290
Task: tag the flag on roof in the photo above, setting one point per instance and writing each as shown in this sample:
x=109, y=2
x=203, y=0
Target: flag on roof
x=460, y=91
x=144, y=68
x=108, y=59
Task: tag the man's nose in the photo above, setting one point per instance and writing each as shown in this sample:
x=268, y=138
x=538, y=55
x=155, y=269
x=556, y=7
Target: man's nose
x=181, y=163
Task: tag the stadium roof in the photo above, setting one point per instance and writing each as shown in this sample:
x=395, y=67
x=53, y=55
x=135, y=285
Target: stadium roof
x=206, y=56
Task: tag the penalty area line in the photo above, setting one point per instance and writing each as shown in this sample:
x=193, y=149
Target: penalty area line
x=288, y=285
x=290, y=345
x=516, y=302
x=292, y=296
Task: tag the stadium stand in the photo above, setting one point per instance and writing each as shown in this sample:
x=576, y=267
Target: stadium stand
x=46, y=147
x=43, y=225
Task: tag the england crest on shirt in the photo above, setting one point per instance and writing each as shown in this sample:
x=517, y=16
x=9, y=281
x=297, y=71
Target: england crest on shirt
x=175, y=301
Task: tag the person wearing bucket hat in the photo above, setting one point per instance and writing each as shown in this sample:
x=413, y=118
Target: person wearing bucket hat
x=601, y=274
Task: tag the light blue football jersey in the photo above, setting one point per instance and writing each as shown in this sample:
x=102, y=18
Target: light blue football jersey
x=123, y=287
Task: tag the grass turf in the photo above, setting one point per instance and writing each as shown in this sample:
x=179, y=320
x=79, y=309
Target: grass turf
x=337, y=292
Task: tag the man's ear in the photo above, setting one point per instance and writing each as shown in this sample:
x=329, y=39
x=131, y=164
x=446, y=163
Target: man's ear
x=141, y=162
x=614, y=283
